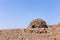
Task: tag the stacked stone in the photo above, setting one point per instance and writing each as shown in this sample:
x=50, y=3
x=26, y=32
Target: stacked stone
x=38, y=23
x=37, y=26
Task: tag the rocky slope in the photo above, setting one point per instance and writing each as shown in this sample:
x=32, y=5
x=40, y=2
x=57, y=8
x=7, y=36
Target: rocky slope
x=37, y=30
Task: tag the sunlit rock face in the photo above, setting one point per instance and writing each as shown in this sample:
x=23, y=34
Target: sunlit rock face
x=38, y=23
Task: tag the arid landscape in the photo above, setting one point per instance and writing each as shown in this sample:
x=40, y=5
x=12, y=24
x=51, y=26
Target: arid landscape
x=38, y=29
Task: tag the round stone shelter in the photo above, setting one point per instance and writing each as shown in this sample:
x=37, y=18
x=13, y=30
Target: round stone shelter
x=38, y=23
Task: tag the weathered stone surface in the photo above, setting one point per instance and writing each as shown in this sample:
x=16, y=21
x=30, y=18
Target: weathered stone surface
x=38, y=23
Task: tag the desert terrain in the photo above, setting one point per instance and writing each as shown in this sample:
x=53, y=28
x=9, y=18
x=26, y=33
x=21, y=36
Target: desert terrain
x=38, y=29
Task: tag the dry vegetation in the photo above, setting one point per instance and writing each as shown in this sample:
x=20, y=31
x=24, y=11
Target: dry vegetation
x=37, y=30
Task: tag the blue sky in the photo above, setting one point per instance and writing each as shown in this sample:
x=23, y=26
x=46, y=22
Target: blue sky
x=18, y=13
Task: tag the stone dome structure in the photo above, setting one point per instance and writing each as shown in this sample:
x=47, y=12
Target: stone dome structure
x=38, y=23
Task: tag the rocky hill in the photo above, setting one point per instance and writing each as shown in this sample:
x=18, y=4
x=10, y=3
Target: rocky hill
x=37, y=30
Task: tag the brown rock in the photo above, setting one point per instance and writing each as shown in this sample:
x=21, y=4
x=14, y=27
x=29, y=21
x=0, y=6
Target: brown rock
x=38, y=23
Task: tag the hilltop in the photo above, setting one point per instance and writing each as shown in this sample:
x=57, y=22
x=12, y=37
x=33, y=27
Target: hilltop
x=38, y=29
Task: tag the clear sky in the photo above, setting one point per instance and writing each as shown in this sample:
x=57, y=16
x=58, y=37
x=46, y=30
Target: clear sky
x=18, y=13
